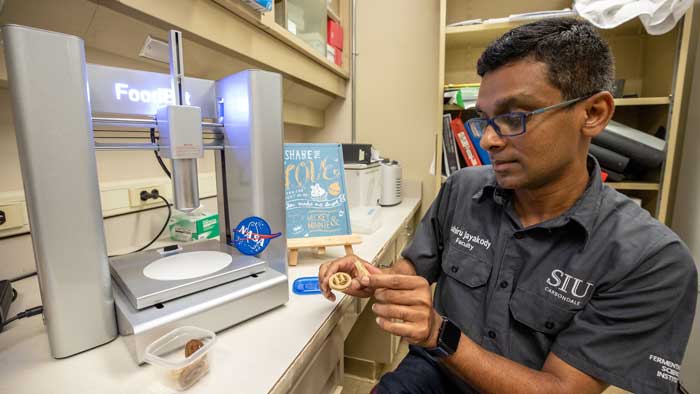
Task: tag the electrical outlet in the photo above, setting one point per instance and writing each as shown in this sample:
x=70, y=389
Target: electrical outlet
x=11, y=216
x=135, y=195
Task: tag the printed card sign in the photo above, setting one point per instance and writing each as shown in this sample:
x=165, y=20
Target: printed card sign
x=314, y=182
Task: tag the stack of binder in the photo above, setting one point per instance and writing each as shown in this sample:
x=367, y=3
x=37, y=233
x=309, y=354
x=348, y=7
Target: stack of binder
x=460, y=146
x=624, y=152
x=449, y=149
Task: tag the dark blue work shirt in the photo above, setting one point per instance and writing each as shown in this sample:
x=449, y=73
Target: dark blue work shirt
x=606, y=287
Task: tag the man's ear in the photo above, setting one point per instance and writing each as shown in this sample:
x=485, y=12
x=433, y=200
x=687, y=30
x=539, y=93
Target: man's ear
x=599, y=110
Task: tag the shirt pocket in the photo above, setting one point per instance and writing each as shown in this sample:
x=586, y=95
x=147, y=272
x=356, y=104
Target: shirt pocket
x=539, y=314
x=466, y=268
x=536, y=323
x=461, y=291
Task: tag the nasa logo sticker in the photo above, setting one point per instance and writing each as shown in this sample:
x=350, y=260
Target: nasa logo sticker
x=252, y=235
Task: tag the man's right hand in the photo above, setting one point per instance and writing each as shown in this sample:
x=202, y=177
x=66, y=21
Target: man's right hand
x=345, y=264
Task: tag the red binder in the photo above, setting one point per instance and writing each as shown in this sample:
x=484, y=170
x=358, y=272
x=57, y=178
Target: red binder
x=465, y=144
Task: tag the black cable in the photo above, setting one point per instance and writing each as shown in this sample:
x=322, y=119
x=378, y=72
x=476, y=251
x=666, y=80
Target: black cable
x=155, y=152
x=165, y=225
x=25, y=276
x=28, y=313
x=14, y=295
x=147, y=196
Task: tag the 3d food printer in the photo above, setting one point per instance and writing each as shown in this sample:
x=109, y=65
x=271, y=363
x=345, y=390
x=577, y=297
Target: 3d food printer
x=56, y=99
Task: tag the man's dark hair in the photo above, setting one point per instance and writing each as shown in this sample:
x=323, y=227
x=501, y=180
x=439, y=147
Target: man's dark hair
x=579, y=61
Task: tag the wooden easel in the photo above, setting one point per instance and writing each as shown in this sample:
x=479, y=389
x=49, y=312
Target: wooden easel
x=320, y=244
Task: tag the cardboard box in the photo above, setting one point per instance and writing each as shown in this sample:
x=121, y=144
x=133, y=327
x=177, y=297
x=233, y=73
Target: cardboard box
x=335, y=34
x=194, y=226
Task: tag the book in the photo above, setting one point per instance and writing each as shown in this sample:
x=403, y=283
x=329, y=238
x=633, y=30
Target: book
x=475, y=139
x=614, y=176
x=609, y=159
x=462, y=95
x=466, y=148
x=449, y=148
x=462, y=162
x=641, y=148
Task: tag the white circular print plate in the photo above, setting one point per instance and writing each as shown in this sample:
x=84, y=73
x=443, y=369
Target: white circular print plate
x=187, y=265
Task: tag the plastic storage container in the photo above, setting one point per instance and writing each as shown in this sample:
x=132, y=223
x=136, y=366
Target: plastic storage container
x=307, y=20
x=167, y=355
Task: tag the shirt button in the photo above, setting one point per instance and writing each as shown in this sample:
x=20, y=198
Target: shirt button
x=549, y=325
x=454, y=269
x=492, y=334
x=504, y=284
x=519, y=235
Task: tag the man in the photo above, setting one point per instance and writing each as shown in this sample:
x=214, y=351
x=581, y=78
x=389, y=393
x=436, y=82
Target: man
x=548, y=281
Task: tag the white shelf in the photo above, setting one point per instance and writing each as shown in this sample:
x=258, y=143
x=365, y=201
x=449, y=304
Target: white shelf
x=333, y=15
x=482, y=34
x=634, y=185
x=620, y=102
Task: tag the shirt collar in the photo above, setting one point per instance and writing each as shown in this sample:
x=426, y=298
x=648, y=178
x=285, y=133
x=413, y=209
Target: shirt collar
x=583, y=212
x=489, y=189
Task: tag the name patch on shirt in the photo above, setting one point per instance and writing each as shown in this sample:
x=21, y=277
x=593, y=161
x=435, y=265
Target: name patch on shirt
x=469, y=241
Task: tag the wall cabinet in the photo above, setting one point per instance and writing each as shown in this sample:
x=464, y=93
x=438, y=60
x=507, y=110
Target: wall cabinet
x=369, y=349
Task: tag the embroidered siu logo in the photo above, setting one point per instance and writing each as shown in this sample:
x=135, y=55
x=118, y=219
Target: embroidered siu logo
x=568, y=284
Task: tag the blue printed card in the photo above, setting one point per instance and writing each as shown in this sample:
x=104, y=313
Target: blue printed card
x=314, y=184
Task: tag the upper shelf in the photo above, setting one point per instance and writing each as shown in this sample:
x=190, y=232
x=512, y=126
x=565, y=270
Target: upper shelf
x=227, y=31
x=482, y=34
x=619, y=102
x=3, y=70
x=217, y=42
x=267, y=22
x=634, y=185
x=332, y=14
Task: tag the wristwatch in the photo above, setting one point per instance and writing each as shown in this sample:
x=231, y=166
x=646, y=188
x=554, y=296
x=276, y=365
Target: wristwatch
x=448, y=340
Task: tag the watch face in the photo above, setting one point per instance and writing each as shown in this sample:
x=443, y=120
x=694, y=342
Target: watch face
x=450, y=336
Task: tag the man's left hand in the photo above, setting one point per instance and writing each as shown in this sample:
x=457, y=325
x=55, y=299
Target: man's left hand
x=404, y=307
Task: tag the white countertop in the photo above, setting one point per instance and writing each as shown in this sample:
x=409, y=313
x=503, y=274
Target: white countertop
x=256, y=356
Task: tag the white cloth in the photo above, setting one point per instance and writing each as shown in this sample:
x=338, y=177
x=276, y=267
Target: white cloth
x=657, y=16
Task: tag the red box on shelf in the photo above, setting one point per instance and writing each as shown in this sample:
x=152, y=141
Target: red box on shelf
x=335, y=34
x=339, y=57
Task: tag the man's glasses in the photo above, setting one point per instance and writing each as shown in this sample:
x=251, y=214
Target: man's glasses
x=513, y=123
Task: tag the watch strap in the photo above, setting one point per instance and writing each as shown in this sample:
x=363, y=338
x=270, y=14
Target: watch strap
x=443, y=348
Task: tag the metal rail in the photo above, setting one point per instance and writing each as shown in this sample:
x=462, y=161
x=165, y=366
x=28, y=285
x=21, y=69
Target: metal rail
x=142, y=146
x=145, y=123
